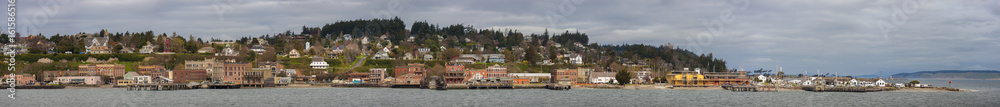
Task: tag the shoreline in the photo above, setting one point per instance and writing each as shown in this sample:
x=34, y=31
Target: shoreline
x=632, y=87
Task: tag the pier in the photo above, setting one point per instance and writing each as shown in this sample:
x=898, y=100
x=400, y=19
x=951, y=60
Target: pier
x=34, y=87
x=846, y=89
x=558, y=87
x=491, y=86
x=750, y=88
x=224, y=86
x=156, y=87
x=365, y=85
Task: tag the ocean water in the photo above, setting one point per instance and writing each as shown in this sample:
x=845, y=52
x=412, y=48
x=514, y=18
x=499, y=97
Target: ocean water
x=987, y=94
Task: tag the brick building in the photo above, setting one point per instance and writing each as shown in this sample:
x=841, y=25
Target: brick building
x=51, y=75
x=21, y=78
x=149, y=69
x=564, y=76
x=410, y=74
x=233, y=72
x=113, y=70
x=189, y=75
x=454, y=73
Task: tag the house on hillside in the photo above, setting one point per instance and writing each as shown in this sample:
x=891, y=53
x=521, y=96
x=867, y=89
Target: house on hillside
x=382, y=54
x=294, y=54
x=207, y=49
x=318, y=63
x=258, y=49
x=575, y=59
x=98, y=45
x=148, y=48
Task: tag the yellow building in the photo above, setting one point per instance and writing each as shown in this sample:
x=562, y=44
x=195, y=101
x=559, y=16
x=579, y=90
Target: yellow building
x=686, y=78
x=123, y=82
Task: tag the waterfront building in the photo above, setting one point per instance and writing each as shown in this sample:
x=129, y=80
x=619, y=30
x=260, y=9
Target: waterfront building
x=148, y=69
x=686, y=78
x=89, y=80
x=357, y=77
x=256, y=75
x=318, y=63
x=564, y=76
x=20, y=78
x=129, y=75
x=142, y=79
x=726, y=78
x=853, y=82
x=454, y=73
x=375, y=75
x=490, y=72
x=643, y=75
x=496, y=71
x=521, y=81
x=234, y=72
x=532, y=77
x=189, y=75
x=583, y=75
x=212, y=67
x=410, y=74
x=602, y=77
x=166, y=74
x=880, y=83
x=49, y=76
x=113, y=70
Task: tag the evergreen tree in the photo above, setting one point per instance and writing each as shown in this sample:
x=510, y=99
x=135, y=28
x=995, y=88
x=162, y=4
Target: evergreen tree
x=623, y=77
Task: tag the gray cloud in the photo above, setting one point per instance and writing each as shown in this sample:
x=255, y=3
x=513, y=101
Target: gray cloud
x=830, y=35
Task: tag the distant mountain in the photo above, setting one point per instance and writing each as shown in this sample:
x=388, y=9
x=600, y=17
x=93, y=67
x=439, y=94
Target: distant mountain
x=867, y=76
x=952, y=74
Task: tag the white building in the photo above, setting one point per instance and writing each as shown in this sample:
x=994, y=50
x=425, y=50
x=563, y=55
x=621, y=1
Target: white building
x=880, y=83
x=318, y=63
x=575, y=59
x=853, y=82
x=142, y=79
x=602, y=80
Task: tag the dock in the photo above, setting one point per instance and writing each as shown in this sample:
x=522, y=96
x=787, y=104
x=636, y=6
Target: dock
x=491, y=86
x=846, y=89
x=34, y=87
x=749, y=88
x=558, y=87
x=362, y=85
x=224, y=86
x=156, y=87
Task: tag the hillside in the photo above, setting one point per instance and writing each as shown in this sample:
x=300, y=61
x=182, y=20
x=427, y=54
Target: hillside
x=952, y=74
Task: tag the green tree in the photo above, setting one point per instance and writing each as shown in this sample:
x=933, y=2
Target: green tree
x=531, y=55
x=623, y=77
x=914, y=82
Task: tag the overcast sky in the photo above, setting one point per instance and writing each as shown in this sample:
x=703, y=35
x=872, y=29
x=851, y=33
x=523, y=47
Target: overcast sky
x=850, y=37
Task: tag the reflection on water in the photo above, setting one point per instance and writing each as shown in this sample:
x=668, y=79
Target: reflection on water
x=987, y=95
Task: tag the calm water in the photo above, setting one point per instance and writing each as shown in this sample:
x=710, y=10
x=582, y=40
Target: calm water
x=987, y=94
